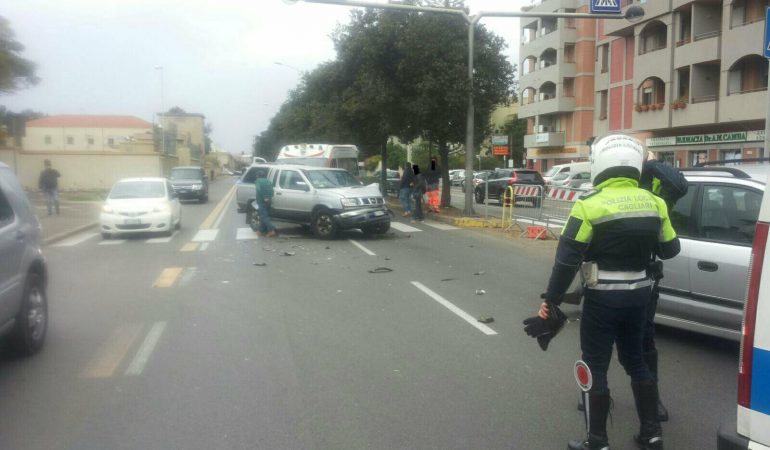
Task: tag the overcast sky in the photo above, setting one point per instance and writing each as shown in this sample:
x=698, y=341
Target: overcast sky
x=218, y=58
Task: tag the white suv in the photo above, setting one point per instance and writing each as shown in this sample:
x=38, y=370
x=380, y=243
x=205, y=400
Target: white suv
x=751, y=428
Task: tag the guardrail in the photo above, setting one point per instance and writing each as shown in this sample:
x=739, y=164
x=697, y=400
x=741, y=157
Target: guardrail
x=558, y=202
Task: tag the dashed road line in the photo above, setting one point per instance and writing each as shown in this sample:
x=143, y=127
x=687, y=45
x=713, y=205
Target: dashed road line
x=450, y=306
x=440, y=226
x=245, y=234
x=362, y=248
x=168, y=277
x=404, y=227
x=204, y=246
x=112, y=242
x=205, y=235
x=163, y=240
x=75, y=240
x=187, y=276
x=145, y=350
x=112, y=352
x=190, y=247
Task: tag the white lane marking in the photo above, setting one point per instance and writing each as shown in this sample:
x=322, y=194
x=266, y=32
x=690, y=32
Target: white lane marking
x=245, y=234
x=450, y=306
x=230, y=196
x=203, y=247
x=143, y=354
x=112, y=242
x=75, y=240
x=205, y=235
x=362, y=248
x=403, y=227
x=187, y=276
x=441, y=226
x=163, y=240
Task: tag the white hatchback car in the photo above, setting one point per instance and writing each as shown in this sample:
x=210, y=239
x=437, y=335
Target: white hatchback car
x=141, y=205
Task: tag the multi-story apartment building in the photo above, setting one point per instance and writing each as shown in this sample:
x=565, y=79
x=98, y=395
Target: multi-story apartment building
x=689, y=79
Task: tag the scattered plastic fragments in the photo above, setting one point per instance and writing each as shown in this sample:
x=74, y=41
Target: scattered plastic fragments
x=486, y=319
x=480, y=272
x=448, y=279
x=260, y=264
x=480, y=292
x=381, y=270
x=288, y=254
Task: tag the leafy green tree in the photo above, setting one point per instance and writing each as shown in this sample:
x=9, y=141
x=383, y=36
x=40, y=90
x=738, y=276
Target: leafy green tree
x=15, y=72
x=516, y=128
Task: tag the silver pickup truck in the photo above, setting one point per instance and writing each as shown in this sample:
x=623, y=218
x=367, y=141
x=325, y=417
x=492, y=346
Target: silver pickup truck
x=245, y=190
x=327, y=200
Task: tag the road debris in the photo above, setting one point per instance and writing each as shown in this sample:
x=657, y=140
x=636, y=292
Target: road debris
x=448, y=279
x=285, y=253
x=480, y=272
x=259, y=264
x=381, y=270
x=480, y=292
x=486, y=319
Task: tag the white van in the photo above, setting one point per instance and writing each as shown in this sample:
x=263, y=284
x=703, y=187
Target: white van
x=751, y=429
x=561, y=170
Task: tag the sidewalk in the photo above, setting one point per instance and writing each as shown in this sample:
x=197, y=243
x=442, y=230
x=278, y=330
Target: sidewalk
x=73, y=217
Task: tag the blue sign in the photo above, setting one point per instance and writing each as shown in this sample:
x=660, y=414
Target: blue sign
x=767, y=33
x=605, y=6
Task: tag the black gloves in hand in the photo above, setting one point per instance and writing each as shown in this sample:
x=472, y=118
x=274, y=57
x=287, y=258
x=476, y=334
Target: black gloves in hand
x=545, y=329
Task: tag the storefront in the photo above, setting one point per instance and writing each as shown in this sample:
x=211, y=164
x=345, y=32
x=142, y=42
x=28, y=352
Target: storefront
x=542, y=159
x=689, y=150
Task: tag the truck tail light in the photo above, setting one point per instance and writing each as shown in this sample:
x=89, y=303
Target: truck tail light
x=750, y=315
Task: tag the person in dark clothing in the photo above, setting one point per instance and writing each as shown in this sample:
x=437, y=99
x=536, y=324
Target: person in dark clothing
x=49, y=184
x=613, y=232
x=264, y=199
x=431, y=179
x=419, y=186
x=405, y=189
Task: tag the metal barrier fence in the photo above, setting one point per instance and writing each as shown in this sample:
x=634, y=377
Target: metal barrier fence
x=527, y=206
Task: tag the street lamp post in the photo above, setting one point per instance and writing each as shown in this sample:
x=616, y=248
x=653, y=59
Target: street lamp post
x=299, y=71
x=633, y=14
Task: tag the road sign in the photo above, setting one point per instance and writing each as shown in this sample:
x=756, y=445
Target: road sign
x=605, y=6
x=499, y=150
x=767, y=33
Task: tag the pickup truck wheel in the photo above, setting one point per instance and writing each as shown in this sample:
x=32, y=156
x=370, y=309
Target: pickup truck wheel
x=252, y=219
x=323, y=225
x=32, y=320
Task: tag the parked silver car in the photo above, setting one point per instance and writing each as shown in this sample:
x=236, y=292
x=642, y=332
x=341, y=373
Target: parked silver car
x=704, y=287
x=23, y=274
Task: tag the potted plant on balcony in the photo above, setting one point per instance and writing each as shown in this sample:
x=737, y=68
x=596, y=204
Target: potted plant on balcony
x=675, y=105
x=661, y=105
x=638, y=108
x=645, y=108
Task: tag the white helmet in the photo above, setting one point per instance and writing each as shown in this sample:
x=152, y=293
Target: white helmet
x=616, y=155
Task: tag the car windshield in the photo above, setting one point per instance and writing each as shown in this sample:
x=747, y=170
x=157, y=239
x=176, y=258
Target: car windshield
x=561, y=176
x=325, y=179
x=528, y=176
x=138, y=189
x=552, y=171
x=185, y=174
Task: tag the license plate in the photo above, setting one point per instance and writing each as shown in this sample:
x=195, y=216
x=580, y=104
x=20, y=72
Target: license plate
x=182, y=191
x=133, y=221
x=379, y=213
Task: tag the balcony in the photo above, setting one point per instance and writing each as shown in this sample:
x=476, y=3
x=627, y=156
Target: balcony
x=553, y=74
x=622, y=27
x=701, y=111
x=653, y=64
x=748, y=105
x=555, y=39
x=547, y=139
x=652, y=120
x=550, y=106
x=740, y=41
x=705, y=47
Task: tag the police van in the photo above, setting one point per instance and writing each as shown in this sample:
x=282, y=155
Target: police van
x=751, y=429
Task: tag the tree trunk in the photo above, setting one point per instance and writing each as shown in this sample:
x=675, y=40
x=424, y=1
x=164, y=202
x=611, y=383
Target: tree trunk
x=446, y=194
x=384, y=168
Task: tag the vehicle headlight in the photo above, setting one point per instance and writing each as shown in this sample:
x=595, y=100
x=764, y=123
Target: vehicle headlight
x=108, y=209
x=348, y=202
x=196, y=186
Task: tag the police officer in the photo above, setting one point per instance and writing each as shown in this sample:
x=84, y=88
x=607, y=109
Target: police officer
x=620, y=228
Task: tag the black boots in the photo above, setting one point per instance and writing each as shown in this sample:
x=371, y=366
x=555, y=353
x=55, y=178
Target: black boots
x=596, y=418
x=651, y=358
x=650, y=435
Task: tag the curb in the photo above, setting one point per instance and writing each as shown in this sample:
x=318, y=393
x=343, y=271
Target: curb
x=68, y=233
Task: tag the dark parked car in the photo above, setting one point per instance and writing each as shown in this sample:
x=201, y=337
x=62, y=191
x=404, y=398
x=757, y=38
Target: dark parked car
x=392, y=182
x=190, y=182
x=499, y=180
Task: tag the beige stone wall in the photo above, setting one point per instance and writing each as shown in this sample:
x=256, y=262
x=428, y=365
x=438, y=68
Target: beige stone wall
x=35, y=138
x=188, y=128
x=84, y=171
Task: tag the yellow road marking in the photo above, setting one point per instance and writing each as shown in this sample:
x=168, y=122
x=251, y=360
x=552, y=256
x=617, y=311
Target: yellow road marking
x=112, y=352
x=189, y=247
x=168, y=277
x=217, y=210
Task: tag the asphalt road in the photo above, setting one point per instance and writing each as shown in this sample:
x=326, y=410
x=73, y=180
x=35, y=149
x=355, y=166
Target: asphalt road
x=187, y=344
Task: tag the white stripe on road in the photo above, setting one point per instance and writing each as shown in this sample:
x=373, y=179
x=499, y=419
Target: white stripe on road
x=163, y=240
x=362, y=248
x=203, y=247
x=441, y=226
x=205, y=235
x=75, y=240
x=144, y=352
x=403, y=227
x=228, y=199
x=245, y=234
x=450, y=306
x=187, y=276
x=112, y=242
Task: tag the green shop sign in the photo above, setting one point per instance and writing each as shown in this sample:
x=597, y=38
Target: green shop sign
x=713, y=138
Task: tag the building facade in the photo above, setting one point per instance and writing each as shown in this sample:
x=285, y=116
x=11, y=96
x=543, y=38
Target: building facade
x=189, y=129
x=689, y=80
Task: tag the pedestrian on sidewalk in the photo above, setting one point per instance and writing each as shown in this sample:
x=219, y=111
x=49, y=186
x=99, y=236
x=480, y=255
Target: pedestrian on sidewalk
x=405, y=189
x=264, y=200
x=48, y=183
x=432, y=179
x=418, y=189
